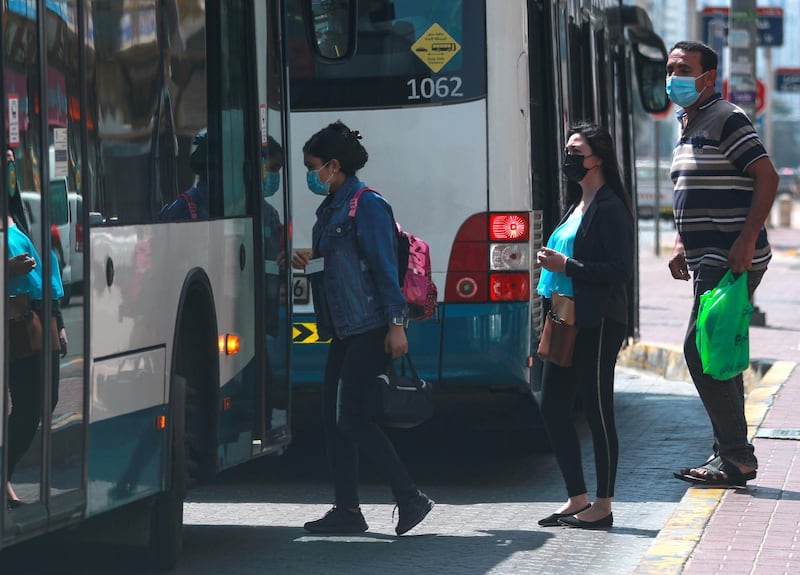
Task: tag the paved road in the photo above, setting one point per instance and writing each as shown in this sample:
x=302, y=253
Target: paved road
x=489, y=497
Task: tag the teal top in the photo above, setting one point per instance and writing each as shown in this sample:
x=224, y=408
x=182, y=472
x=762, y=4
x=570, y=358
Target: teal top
x=562, y=240
x=31, y=283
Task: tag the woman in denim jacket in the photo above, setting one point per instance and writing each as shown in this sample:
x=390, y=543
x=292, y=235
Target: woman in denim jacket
x=358, y=303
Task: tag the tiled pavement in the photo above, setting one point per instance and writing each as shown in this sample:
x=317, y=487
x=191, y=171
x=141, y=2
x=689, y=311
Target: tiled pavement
x=754, y=530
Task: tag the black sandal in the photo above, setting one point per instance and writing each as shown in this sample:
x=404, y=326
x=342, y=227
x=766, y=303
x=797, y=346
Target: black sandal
x=688, y=470
x=720, y=473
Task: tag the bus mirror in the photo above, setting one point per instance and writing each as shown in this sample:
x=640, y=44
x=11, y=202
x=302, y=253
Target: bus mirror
x=650, y=61
x=331, y=28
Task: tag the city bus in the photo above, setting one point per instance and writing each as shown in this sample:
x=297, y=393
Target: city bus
x=177, y=364
x=464, y=107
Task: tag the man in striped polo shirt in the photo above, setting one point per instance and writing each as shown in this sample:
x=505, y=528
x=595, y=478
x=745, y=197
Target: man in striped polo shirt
x=725, y=184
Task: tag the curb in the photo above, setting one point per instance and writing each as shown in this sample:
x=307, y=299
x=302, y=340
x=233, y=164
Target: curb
x=683, y=531
x=660, y=358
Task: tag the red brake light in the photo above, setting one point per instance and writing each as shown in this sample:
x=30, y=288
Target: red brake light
x=78, y=238
x=469, y=262
x=509, y=227
x=509, y=287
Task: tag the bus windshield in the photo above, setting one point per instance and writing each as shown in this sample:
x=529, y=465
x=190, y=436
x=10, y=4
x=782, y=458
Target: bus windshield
x=409, y=52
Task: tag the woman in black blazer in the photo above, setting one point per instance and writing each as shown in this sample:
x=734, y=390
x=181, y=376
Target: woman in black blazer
x=589, y=257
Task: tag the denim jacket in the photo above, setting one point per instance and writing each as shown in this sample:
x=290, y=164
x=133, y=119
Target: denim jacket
x=358, y=290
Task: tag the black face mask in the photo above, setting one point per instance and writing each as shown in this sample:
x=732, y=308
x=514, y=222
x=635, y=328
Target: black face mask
x=573, y=167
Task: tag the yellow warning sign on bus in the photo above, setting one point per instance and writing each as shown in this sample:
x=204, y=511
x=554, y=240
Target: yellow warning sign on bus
x=306, y=333
x=435, y=47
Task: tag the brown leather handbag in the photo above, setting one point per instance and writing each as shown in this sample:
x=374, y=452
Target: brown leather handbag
x=557, y=343
x=25, y=328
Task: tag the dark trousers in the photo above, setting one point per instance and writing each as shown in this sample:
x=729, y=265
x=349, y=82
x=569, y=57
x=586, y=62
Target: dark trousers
x=352, y=367
x=591, y=375
x=25, y=388
x=723, y=400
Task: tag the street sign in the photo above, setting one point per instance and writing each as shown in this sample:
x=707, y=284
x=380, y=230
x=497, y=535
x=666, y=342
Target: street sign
x=769, y=25
x=747, y=97
x=787, y=79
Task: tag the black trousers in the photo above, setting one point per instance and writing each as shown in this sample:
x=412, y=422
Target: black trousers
x=350, y=373
x=591, y=375
x=26, y=390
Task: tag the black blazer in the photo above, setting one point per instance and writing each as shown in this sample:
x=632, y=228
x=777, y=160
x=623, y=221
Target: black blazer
x=602, y=262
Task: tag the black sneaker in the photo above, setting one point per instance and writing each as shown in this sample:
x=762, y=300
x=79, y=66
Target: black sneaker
x=412, y=511
x=338, y=521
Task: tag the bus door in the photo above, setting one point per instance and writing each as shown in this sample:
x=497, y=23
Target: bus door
x=273, y=428
x=245, y=117
x=42, y=403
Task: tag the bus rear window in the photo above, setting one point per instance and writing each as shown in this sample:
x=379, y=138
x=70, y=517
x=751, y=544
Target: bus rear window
x=409, y=52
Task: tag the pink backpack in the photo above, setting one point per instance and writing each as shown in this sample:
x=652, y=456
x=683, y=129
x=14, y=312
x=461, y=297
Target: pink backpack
x=414, y=263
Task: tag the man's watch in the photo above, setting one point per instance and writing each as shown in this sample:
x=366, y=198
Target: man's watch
x=400, y=320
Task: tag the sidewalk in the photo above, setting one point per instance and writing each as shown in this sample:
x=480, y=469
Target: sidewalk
x=754, y=530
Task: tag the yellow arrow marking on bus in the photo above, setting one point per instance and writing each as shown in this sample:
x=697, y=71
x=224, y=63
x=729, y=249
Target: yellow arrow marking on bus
x=306, y=333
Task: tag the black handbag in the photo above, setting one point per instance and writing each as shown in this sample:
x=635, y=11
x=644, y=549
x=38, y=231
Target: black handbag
x=404, y=400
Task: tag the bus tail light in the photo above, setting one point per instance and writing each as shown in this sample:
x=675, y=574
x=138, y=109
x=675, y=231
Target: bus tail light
x=467, y=271
x=510, y=287
x=490, y=259
x=78, y=238
x=509, y=257
x=509, y=227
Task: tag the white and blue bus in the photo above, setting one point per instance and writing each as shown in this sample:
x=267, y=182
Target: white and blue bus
x=178, y=357
x=463, y=106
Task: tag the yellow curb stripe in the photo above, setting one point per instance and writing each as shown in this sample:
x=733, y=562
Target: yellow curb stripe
x=761, y=393
x=678, y=538
x=680, y=535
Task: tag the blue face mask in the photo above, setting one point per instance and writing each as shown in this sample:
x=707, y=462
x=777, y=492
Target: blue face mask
x=681, y=90
x=316, y=185
x=272, y=181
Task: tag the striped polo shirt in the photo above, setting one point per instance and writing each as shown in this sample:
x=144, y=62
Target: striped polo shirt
x=713, y=192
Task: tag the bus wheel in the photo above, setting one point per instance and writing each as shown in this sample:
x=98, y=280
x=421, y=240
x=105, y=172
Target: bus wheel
x=166, y=518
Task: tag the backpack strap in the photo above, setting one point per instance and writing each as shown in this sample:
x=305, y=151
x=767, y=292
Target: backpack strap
x=190, y=204
x=354, y=200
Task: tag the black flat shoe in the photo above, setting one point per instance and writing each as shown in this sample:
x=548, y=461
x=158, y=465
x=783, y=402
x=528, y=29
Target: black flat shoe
x=603, y=523
x=552, y=519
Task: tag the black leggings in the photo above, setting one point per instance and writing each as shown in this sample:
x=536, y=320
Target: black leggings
x=350, y=373
x=592, y=375
x=26, y=388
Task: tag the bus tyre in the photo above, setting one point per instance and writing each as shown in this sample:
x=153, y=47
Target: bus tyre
x=166, y=518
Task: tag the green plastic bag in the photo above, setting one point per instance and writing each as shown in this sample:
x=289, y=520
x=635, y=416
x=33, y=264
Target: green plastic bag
x=723, y=321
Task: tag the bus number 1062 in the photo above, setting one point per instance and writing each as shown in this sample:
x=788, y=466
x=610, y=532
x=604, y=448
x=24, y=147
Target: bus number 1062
x=429, y=88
